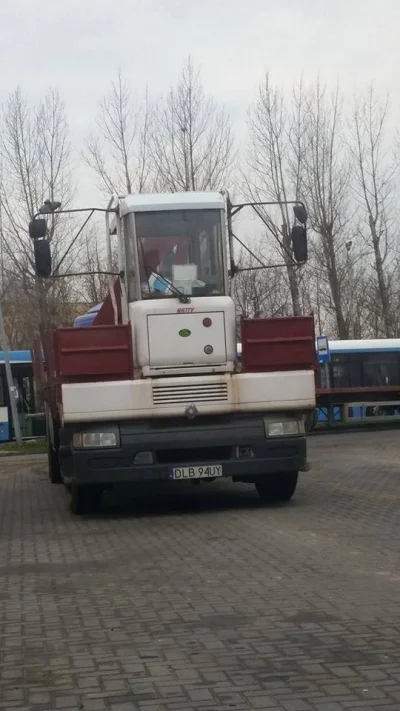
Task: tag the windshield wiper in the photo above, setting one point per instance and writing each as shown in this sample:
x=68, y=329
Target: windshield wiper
x=183, y=298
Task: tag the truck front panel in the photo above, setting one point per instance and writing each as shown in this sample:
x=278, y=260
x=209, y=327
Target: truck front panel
x=172, y=337
x=170, y=397
x=237, y=446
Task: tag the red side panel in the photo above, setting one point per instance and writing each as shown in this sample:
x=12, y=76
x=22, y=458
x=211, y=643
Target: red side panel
x=273, y=344
x=93, y=353
x=106, y=314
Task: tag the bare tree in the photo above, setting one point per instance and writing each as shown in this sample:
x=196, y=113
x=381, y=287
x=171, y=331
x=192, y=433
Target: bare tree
x=274, y=168
x=118, y=149
x=326, y=184
x=375, y=172
x=35, y=165
x=192, y=144
x=298, y=147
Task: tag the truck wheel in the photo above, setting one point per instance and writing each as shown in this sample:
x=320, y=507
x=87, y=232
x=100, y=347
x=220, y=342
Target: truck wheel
x=84, y=499
x=54, y=468
x=53, y=465
x=277, y=487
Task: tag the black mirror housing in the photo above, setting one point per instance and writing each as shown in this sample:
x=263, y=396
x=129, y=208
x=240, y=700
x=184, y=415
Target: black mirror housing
x=49, y=207
x=300, y=213
x=38, y=229
x=42, y=257
x=299, y=243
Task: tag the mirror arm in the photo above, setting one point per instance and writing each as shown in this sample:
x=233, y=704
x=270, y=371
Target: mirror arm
x=42, y=212
x=82, y=227
x=236, y=208
x=292, y=262
x=120, y=274
x=268, y=266
x=264, y=266
x=76, y=209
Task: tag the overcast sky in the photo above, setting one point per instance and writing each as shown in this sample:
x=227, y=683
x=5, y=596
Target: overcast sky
x=78, y=46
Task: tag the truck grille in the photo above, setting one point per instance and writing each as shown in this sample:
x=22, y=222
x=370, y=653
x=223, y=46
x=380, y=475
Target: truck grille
x=186, y=394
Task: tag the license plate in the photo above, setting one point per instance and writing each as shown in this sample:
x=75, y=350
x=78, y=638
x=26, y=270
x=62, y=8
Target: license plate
x=206, y=472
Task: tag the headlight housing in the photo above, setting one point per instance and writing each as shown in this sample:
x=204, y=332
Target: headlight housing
x=94, y=440
x=283, y=427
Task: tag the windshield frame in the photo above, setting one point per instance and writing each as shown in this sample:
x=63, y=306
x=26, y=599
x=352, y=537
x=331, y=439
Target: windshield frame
x=132, y=247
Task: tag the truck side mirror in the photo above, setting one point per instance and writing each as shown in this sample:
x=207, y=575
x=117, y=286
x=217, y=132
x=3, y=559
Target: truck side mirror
x=300, y=213
x=42, y=257
x=38, y=229
x=41, y=247
x=299, y=243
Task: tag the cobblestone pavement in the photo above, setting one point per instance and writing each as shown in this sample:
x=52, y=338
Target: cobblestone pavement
x=199, y=598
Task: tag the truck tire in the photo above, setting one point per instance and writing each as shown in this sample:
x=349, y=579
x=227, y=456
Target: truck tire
x=53, y=465
x=54, y=468
x=277, y=487
x=84, y=499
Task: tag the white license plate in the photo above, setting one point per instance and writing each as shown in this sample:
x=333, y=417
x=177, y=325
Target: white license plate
x=206, y=472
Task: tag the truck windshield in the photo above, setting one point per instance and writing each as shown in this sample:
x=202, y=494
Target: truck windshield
x=184, y=247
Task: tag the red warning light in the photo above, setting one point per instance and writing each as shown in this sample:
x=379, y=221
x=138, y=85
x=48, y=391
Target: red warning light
x=207, y=322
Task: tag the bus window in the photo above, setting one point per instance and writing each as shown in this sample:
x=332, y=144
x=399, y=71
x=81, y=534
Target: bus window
x=380, y=369
x=346, y=370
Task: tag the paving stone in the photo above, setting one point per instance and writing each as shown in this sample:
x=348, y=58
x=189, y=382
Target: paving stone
x=199, y=598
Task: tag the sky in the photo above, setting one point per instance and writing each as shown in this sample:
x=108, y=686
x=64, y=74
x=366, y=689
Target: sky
x=79, y=45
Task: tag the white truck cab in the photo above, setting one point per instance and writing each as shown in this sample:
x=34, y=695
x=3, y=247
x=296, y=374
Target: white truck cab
x=154, y=389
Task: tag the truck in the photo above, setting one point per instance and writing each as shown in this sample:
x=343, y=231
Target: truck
x=153, y=388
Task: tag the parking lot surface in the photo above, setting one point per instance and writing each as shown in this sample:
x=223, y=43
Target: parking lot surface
x=200, y=597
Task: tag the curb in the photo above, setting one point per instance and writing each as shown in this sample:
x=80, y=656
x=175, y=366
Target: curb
x=21, y=454
x=378, y=427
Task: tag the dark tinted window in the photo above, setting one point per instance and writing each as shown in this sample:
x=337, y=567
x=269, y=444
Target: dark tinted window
x=351, y=370
x=184, y=246
x=346, y=370
x=381, y=368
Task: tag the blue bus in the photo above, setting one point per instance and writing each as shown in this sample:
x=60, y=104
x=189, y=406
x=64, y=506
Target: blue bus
x=22, y=372
x=365, y=363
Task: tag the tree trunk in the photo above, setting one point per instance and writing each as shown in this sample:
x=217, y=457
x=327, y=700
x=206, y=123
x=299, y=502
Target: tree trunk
x=383, y=294
x=342, y=326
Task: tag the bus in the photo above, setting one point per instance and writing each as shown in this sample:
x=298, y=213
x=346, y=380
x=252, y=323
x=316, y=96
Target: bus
x=22, y=373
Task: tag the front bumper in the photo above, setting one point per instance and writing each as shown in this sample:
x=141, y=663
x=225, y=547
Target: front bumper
x=183, y=443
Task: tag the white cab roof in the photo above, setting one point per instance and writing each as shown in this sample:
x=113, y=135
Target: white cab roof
x=171, y=201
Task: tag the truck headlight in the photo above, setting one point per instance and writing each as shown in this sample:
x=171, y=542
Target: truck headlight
x=283, y=428
x=93, y=440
